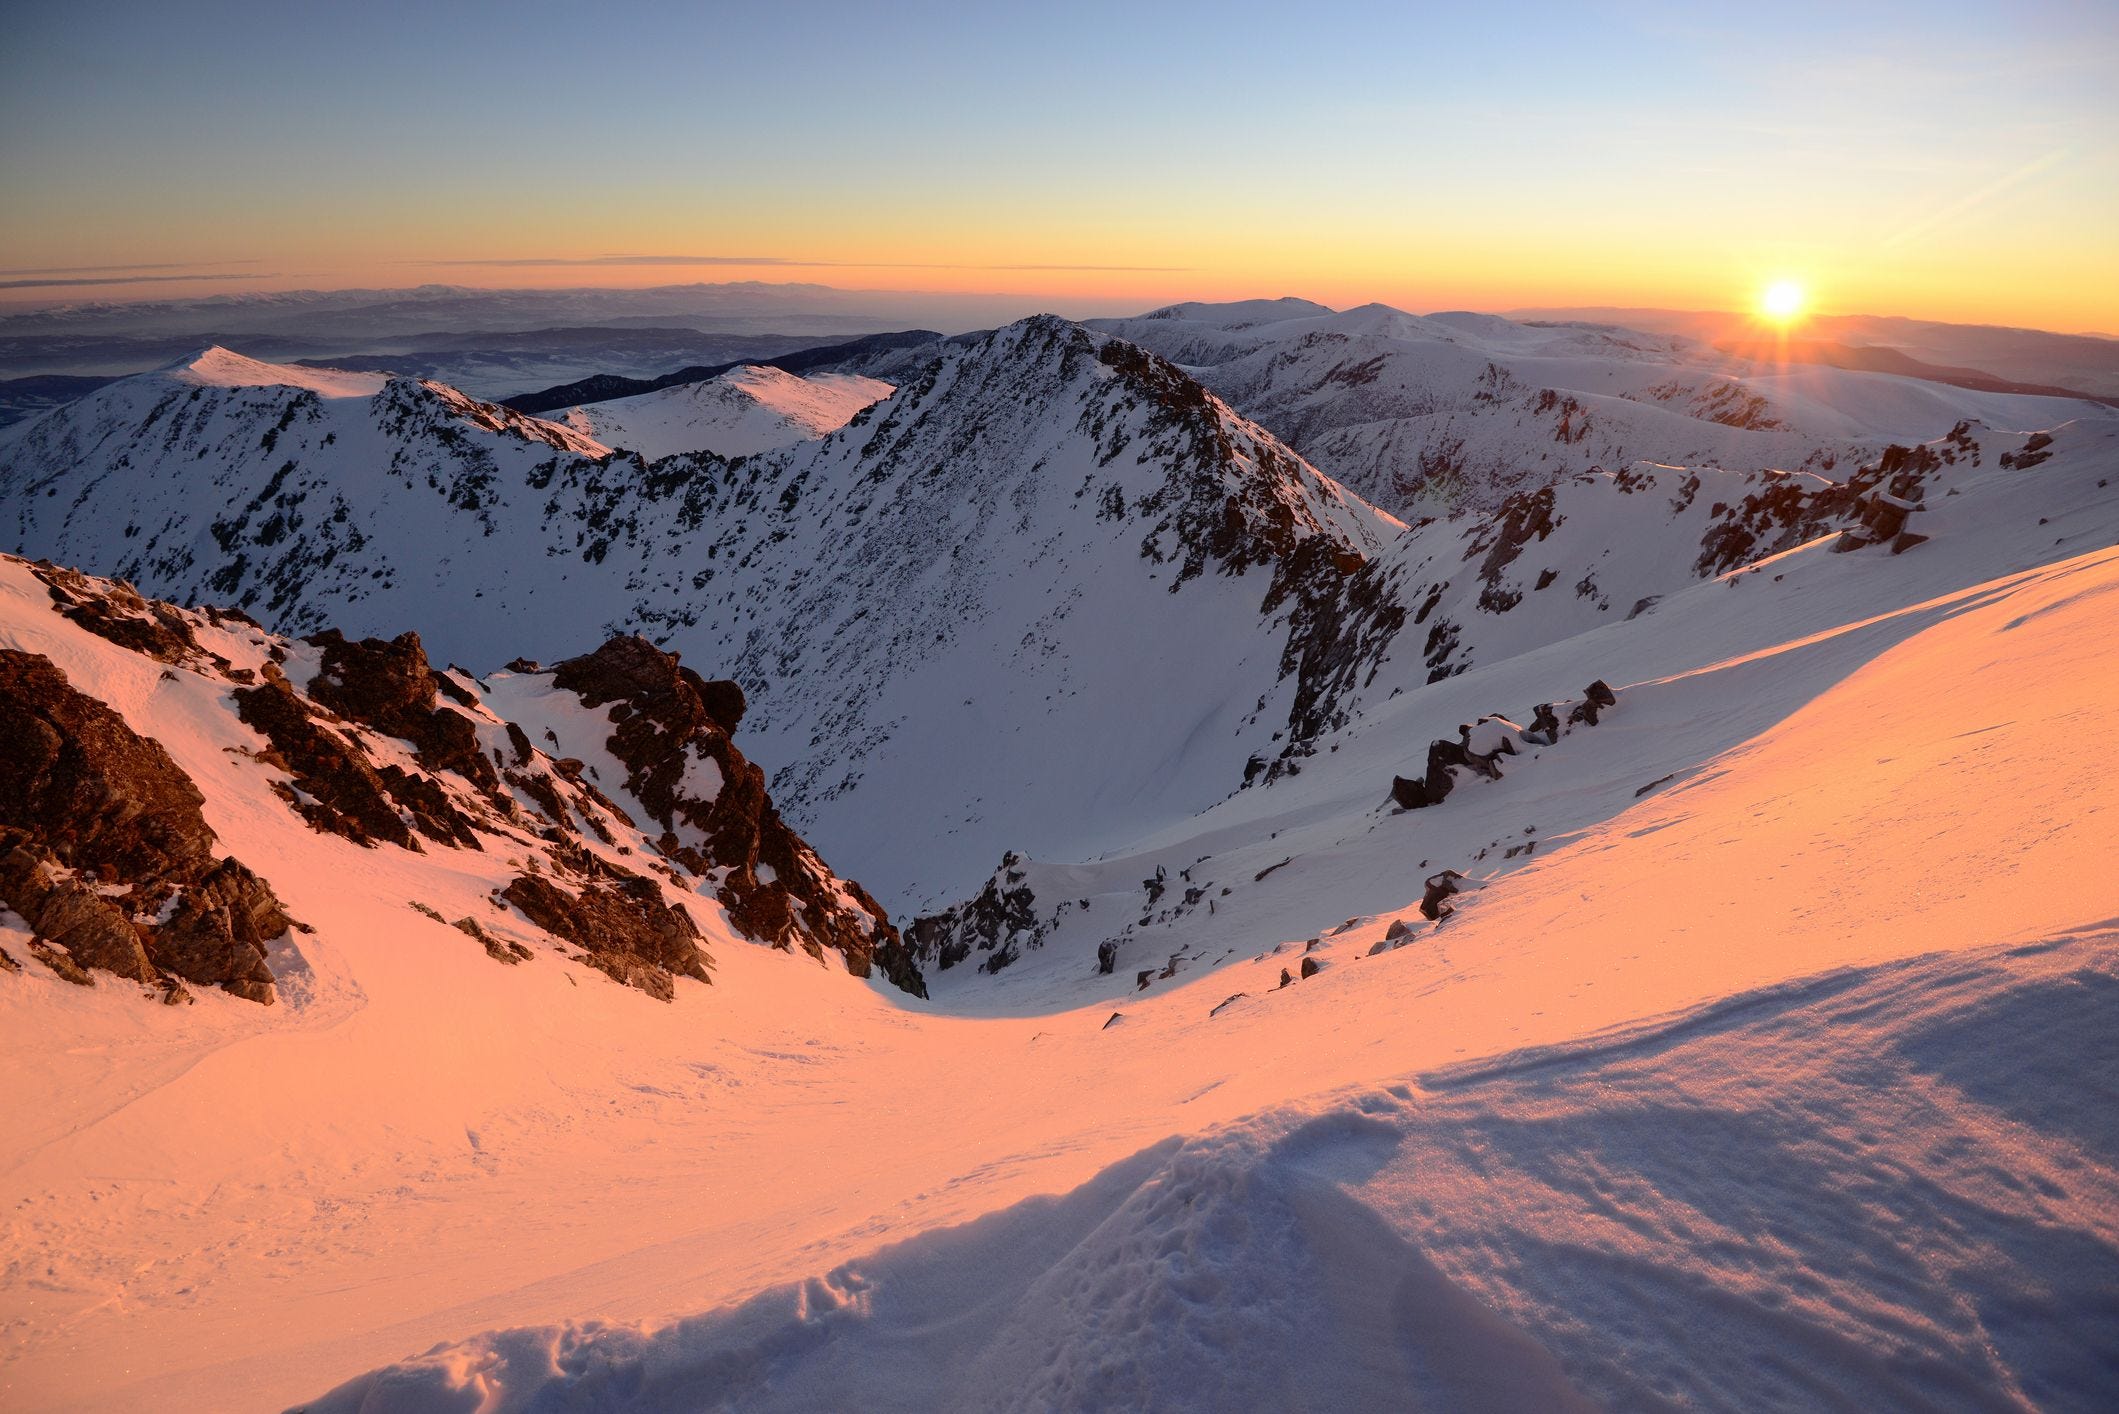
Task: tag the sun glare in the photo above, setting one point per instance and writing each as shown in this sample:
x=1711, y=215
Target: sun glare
x=1782, y=302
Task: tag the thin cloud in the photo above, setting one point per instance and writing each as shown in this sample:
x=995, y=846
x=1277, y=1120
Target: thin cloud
x=123, y=280
x=625, y=260
x=522, y=262
x=115, y=269
x=1131, y=269
x=1979, y=198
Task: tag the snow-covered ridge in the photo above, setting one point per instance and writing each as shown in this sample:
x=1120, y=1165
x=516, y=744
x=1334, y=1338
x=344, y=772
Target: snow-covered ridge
x=743, y=412
x=1043, y=516
x=1051, y=595
x=216, y=367
x=1672, y=587
x=1425, y=414
x=1770, y=1014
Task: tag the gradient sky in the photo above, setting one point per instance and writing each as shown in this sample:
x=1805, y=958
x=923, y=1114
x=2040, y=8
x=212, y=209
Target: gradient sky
x=1942, y=160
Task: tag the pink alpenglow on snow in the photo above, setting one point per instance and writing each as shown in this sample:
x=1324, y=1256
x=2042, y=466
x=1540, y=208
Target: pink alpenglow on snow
x=1615, y=935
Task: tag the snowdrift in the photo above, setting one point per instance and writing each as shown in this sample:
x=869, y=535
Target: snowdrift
x=1892, y=1186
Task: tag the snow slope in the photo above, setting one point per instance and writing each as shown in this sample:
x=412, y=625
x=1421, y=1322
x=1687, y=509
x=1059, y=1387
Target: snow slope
x=1713, y=1210
x=1779, y=1074
x=744, y=411
x=1421, y=415
x=1051, y=596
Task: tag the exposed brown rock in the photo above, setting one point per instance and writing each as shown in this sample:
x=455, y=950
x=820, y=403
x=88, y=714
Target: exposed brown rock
x=1595, y=698
x=61, y=962
x=115, y=610
x=104, y=851
x=390, y=686
x=626, y=929
x=1439, y=888
x=724, y=702
x=349, y=795
x=510, y=953
x=667, y=721
x=63, y=912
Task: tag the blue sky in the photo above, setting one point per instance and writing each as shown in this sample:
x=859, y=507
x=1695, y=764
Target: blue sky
x=1624, y=153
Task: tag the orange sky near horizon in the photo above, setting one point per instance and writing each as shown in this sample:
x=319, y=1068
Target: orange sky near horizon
x=1954, y=160
x=2049, y=291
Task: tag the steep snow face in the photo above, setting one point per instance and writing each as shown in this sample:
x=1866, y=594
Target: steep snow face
x=268, y=495
x=744, y=411
x=1706, y=663
x=1423, y=415
x=1042, y=597
x=1045, y=593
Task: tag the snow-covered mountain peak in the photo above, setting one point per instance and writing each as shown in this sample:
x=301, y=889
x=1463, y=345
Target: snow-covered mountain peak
x=217, y=367
x=1425, y=415
x=1041, y=528
x=1240, y=314
x=742, y=412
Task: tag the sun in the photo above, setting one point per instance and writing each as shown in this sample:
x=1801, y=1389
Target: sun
x=1782, y=301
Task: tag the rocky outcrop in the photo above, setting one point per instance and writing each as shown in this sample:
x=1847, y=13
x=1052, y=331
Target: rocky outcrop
x=1869, y=507
x=1435, y=785
x=105, y=852
x=118, y=612
x=103, y=847
x=670, y=730
x=625, y=928
x=1480, y=746
x=1595, y=698
x=1440, y=888
x=337, y=786
x=1001, y=921
x=391, y=687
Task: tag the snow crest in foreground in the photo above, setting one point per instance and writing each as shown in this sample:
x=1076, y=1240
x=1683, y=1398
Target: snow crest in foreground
x=1892, y=1186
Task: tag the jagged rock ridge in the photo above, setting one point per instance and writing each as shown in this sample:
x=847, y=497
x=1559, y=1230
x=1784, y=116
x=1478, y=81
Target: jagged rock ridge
x=109, y=859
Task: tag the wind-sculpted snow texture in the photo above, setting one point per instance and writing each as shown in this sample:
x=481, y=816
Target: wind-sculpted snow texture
x=629, y=798
x=1424, y=415
x=1850, y=1189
